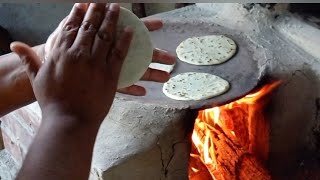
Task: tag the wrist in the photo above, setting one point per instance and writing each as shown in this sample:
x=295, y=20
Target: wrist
x=56, y=115
x=65, y=123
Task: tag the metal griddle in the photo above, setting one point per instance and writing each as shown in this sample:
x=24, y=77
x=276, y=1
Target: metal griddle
x=241, y=71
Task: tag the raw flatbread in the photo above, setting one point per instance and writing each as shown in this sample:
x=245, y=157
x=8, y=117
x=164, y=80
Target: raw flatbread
x=163, y=67
x=195, y=86
x=206, y=50
x=140, y=52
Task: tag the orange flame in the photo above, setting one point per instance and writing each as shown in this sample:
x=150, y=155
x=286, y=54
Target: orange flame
x=202, y=136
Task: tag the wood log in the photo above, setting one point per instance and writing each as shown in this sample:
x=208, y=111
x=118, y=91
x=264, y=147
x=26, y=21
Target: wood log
x=240, y=142
x=201, y=172
x=249, y=168
x=234, y=162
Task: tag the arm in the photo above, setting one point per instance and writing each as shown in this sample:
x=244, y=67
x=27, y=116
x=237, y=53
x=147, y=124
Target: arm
x=15, y=87
x=75, y=89
x=62, y=149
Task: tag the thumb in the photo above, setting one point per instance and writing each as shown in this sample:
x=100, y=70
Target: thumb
x=28, y=57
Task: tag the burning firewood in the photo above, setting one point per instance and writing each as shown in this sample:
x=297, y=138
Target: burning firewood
x=232, y=141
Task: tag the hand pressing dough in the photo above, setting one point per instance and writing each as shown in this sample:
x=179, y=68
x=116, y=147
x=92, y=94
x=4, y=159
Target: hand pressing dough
x=140, y=52
x=162, y=67
x=195, y=86
x=206, y=50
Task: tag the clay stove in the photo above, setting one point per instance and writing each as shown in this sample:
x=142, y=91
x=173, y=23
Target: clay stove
x=145, y=138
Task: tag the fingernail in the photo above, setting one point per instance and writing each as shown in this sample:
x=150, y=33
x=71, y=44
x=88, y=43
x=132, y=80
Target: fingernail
x=173, y=56
x=12, y=45
x=114, y=7
x=128, y=29
x=143, y=93
x=162, y=50
x=81, y=5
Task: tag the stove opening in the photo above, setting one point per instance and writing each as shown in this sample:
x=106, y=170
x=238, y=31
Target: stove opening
x=232, y=141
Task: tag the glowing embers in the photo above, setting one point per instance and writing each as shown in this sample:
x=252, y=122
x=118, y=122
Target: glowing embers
x=232, y=141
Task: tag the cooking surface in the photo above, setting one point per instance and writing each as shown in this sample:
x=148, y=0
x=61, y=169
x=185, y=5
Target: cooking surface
x=240, y=71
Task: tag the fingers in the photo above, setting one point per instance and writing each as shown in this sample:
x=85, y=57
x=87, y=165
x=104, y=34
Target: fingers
x=107, y=32
x=52, y=39
x=60, y=26
x=70, y=28
x=120, y=50
x=133, y=90
x=161, y=56
x=152, y=24
x=89, y=26
x=54, y=34
x=155, y=75
x=28, y=57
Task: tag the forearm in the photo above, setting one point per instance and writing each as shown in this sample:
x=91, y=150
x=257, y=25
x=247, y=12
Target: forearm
x=15, y=87
x=62, y=149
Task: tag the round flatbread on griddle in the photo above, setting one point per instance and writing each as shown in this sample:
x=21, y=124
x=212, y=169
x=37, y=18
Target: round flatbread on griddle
x=195, y=86
x=206, y=50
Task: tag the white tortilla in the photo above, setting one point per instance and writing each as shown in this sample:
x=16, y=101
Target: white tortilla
x=140, y=52
x=162, y=67
x=195, y=86
x=206, y=50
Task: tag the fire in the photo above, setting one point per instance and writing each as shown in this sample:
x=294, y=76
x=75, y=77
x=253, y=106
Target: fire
x=234, y=120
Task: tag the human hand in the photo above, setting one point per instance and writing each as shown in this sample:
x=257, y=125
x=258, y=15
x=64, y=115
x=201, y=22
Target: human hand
x=159, y=56
x=79, y=77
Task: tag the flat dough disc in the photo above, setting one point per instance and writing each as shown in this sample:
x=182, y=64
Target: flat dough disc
x=206, y=50
x=195, y=86
x=140, y=52
x=163, y=67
